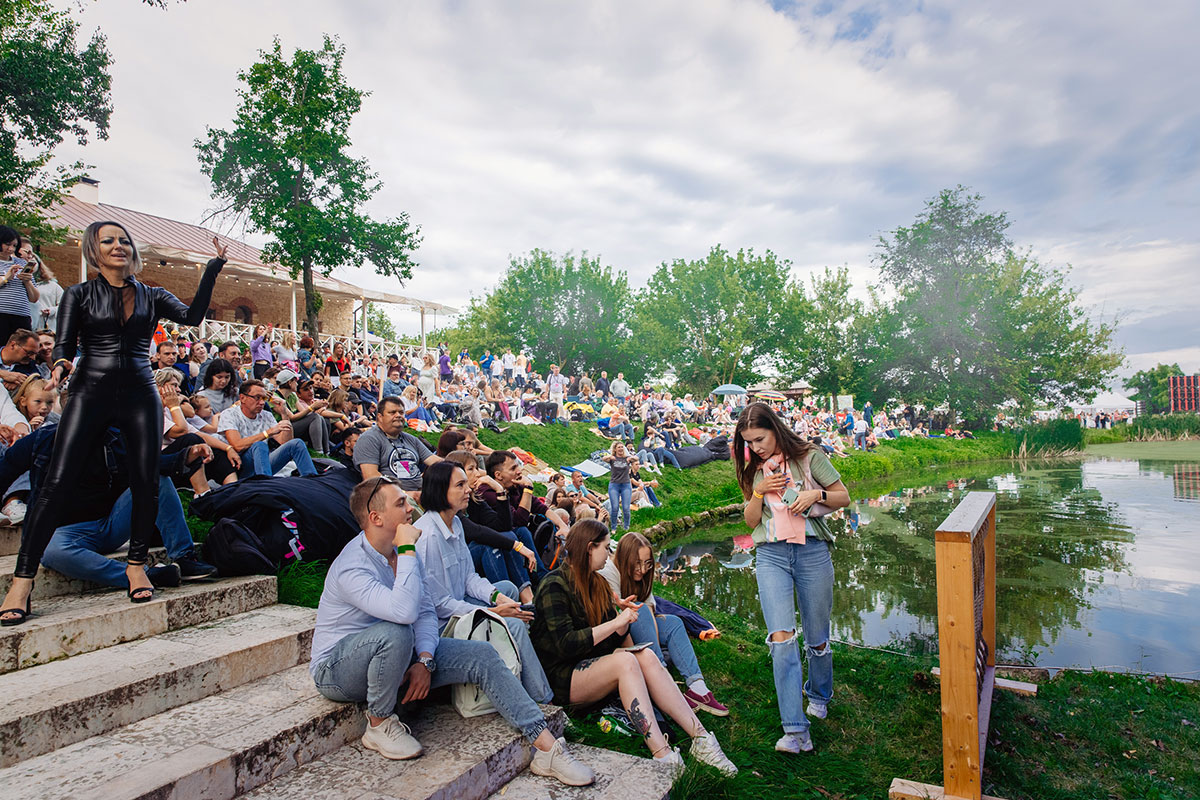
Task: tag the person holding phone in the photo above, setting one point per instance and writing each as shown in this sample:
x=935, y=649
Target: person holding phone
x=585, y=646
x=16, y=285
x=789, y=484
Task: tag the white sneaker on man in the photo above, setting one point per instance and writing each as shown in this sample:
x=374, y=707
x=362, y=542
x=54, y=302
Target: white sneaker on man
x=817, y=710
x=795, y=743
x=707, y=750
x=558, y=763
x=15, y=511
x=392, y=739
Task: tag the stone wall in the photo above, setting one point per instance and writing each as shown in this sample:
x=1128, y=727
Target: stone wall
x=268, y=302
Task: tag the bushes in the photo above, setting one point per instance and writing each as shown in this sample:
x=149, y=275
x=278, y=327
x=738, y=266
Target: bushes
x=1052, y=437
x=1165, y=426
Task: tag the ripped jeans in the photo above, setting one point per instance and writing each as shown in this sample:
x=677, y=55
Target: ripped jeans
x=789, y=575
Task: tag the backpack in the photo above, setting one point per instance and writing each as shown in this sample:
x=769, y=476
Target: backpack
x=236, y=550
x=481, y=625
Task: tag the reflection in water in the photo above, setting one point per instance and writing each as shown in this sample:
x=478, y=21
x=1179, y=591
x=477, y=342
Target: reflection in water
x=1094, y=565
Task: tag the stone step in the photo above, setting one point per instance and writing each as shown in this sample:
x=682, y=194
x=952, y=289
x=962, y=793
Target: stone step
x=72, y=624
x=49, y=583
x=10, y=540
x=211, y=749
x=49, y=706
x=464, y=759
x=617, y=775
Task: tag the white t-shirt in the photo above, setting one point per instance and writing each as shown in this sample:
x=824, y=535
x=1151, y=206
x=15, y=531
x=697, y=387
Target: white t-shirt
x=509, y=360
x=232, y=419
x=860, y=425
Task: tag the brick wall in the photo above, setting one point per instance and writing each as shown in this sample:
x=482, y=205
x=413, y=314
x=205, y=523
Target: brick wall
x=267, y=301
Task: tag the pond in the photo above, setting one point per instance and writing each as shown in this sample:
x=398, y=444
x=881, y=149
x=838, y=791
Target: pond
x=1098, y=561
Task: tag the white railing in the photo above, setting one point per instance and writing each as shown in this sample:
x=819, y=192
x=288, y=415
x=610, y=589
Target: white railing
x=357, y=349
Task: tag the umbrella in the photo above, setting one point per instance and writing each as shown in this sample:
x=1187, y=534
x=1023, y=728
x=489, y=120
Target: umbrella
x=769, y=394
x=729, y=388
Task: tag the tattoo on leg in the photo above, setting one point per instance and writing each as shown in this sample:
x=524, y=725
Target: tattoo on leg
x=587, y=662
x=638, y=718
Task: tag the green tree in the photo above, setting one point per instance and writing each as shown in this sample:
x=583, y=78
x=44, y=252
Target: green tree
x=285, y=170
x=971, y=323
x=725, y=318
x=1153, y=387
x=825, y=353
x=565, y=310
x=379, y=323
x=52, y=88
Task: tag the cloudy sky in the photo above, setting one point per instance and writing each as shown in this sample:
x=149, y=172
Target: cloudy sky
x=648, y=131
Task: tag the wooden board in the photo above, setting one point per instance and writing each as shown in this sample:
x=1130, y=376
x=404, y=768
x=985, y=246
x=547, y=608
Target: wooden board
x=1016, y=687
x=967, y=518
x=902, y=789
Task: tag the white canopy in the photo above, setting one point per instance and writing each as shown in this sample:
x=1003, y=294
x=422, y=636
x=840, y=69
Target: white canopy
x=1106, y=401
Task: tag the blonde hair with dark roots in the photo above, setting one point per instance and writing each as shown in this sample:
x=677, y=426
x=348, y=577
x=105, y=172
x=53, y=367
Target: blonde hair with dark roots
x=91, y=248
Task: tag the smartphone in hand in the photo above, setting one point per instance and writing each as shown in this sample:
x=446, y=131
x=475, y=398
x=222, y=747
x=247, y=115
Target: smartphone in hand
x=527, y=607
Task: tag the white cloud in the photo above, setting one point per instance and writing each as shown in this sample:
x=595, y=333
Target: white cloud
x=644, y=132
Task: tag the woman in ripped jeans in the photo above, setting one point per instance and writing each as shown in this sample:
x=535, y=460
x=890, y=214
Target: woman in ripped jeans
x=789, y=485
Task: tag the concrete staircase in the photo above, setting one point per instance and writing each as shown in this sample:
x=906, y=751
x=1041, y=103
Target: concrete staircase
x=205, y=693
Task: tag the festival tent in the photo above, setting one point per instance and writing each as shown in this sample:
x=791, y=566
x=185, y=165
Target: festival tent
x=1106, y=401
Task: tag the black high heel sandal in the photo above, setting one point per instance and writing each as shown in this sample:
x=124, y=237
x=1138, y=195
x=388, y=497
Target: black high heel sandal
x=142, y=594
x=22, y=612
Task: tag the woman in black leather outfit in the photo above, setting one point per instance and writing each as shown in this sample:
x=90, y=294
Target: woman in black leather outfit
x=111, y=318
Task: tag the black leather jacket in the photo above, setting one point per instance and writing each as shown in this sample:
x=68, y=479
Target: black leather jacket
x=90, y=319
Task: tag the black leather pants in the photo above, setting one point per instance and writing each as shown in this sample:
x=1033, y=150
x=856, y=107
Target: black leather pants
x=102, y=393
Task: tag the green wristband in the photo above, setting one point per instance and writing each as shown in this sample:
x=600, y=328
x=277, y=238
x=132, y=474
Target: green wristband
x=406, y=548
x=495, y=594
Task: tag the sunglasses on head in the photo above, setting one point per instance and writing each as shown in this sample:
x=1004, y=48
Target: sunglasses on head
x=380, y=481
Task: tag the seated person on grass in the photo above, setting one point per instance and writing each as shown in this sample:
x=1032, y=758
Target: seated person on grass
x=588, y=504
x=387, y=449
x=249, y=428
x=505, y=468
x=377, y=632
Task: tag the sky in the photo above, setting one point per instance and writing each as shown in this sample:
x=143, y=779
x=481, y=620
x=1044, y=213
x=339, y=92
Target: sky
x=642, y=132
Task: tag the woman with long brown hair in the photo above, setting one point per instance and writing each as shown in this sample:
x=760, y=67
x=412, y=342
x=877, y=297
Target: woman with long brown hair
x=630, y=573
x=578, y=635
x=789, y=485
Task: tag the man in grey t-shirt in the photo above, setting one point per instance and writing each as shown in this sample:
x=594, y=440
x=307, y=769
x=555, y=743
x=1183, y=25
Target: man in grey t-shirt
x=387, y=449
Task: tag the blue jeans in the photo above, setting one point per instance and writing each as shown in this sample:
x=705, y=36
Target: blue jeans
x=651, y=496
x=370, y=665
x=672, y=636
x=860, y=441
x=788, y=573
x=77, y=550
x=533, y=677
x=622, y=494
x=258, y=459
x=506, y=565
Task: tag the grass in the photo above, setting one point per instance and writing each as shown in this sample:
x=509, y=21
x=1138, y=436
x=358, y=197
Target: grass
x=1149, y=428
x=1083, y=736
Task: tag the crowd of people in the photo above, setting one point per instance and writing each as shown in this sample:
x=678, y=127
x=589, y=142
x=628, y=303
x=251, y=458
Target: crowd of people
x=116, y=412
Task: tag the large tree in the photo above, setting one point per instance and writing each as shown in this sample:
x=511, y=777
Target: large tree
x=52, y=88
x=568, y=310
x=1153, y=387
x=826, y=352
x=725, y=318
x=285, y=170
x=973, y=323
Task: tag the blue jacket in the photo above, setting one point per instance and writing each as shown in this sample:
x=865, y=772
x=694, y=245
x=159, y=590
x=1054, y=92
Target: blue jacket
x=102, y=481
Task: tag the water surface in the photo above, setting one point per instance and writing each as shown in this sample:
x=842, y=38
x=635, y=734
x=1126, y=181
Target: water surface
x=1098, y=561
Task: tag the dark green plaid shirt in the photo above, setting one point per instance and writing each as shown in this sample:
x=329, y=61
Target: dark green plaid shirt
x=561, y=633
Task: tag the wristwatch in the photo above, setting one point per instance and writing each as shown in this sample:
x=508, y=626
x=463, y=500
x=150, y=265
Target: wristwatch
x=428, y=663
x=824, y=495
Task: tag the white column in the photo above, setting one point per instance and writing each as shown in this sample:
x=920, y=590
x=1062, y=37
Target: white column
x=294, y=306
x=423, y=348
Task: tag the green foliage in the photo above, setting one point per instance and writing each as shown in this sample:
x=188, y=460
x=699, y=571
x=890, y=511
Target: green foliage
x=565, y=310
x=379, y=323
x=52, y=88
x=301, y=583
x=1052, y=436
x=1153, y=387
x=973, y=324
x=823, y=350
x=284, y=169
x=723, y=319
x=1170, y=426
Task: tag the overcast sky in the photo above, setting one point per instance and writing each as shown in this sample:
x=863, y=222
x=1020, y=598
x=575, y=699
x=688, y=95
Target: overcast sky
x=649, y=131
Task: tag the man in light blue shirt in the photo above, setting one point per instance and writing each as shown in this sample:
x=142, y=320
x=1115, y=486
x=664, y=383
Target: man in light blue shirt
x=377, y=630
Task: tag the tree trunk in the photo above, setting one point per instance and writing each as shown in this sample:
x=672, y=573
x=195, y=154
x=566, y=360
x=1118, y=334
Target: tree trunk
x=311, y=298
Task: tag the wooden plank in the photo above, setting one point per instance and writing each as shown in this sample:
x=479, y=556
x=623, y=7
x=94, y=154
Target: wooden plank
x=1016, y=687
x=989, y=583
x=966, y=518
x=956, y=637
x=985, y=713
x=902, y=789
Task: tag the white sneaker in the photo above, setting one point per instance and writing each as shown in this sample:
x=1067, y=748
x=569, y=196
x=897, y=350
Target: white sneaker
x=558, y=763
x=817, y=710
x=707, y=750
x=15, y=511
x=671, y=759
x=391, y=739
x=795, y=743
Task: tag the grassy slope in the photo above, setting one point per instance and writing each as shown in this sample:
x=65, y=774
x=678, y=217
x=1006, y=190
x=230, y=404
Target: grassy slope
x=1083, y=736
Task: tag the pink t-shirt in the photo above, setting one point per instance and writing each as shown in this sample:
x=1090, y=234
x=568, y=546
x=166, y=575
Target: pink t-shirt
x=784, y=526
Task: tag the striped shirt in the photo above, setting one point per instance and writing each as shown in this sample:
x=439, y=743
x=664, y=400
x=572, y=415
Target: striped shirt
x=13, y=298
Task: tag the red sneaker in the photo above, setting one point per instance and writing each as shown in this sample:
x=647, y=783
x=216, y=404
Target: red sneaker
x=706, y=702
